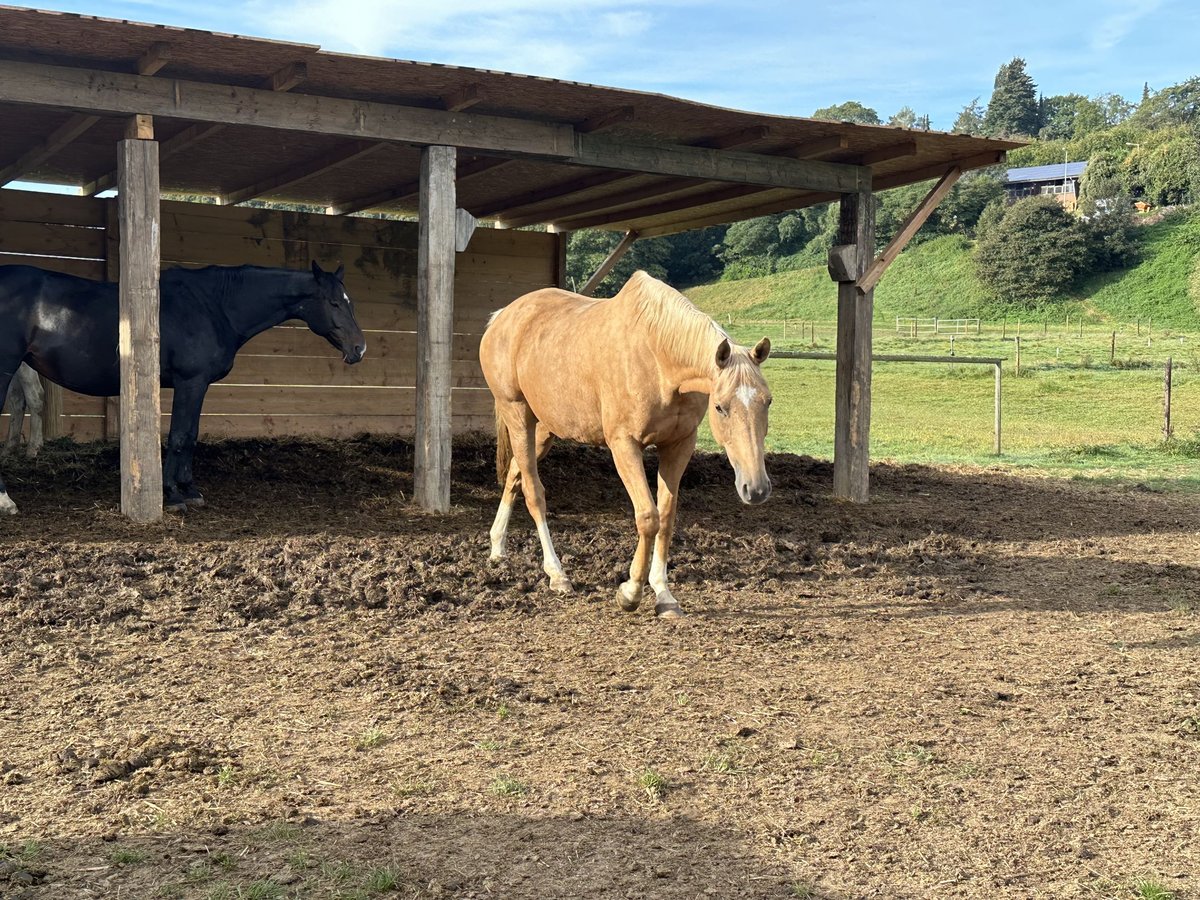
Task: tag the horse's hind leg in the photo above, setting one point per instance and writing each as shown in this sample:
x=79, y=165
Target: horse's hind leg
x=35, y=401
x=14, y=405
x=522, y=430
x=508, y=496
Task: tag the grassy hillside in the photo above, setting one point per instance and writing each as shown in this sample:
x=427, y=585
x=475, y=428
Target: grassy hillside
x=937, y=278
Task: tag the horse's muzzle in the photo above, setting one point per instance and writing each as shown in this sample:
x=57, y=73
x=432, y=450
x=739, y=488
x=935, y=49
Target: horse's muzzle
x=754, y=494
x=355, y=353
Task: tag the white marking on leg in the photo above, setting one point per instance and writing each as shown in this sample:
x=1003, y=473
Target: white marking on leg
x=658, y=573
x=6, y=504
x=746, y=393
x=550, y=562
x=499, y=532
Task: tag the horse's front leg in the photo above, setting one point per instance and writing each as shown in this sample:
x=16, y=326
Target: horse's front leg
x=672, y=460
x=181, y=444
x=627, y=454
x=7, y=507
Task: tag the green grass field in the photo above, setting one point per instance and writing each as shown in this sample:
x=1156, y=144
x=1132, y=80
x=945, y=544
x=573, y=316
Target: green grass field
x=1077, y=407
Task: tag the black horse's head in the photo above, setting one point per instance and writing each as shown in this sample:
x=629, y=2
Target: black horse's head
x=329, y=312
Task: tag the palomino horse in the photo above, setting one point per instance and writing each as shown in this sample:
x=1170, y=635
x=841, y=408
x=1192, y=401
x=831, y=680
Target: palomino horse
x=25, y=394
x=636, y=370
x=66, y=328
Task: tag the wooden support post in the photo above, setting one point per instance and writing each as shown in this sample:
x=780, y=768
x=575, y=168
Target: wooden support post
x=435, y=328
x=138, y=338
x=852, y=426
x=607, y=266
x=996, y=430
x=561, y=240
x=1167, y=401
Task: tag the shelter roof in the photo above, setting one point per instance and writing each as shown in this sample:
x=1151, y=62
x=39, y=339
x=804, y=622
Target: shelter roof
x=664, y=164
x=1052, y=172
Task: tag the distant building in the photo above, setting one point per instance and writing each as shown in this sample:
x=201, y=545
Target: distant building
x=1060, y=180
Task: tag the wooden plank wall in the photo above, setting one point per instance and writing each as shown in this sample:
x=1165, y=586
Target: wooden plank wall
x=288, y=381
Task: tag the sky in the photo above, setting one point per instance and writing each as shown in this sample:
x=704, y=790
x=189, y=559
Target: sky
x=786, y=58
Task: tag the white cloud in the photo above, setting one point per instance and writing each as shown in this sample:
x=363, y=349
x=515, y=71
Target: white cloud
x=1113, y=28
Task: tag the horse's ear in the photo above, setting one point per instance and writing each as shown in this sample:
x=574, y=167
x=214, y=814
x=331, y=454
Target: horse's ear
x=761, y=351
x=341, y=271
x=724, y=353
x=316, y=269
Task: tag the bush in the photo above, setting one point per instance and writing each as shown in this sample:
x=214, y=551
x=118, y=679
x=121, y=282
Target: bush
x=1035, y=251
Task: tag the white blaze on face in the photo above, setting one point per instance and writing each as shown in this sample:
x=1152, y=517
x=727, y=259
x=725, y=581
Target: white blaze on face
x=746, y=393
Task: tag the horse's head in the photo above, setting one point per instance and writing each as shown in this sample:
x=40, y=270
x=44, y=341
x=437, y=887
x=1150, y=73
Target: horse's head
x=329, y=312
x=737, y=414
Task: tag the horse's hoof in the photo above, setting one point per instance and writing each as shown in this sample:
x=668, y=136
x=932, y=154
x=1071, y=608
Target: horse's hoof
x=561, y=585
x=175, y=506
x=196, y=502
x=629, y=603
x=668, y=609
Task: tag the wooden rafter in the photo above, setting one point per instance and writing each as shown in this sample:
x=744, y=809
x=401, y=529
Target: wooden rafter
x=284, y=79
x=783, y=202
x=147, y=64
x=326, y=162
x=470, y=168
x=661, y=207
x=883, y=154
x=467, y=169
x=464, y=98
x=911, y=225
x=815, y=148
x=522, y=214
x=63, y=135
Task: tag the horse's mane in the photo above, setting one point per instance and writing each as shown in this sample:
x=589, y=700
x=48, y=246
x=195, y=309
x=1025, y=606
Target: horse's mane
x=682, y=331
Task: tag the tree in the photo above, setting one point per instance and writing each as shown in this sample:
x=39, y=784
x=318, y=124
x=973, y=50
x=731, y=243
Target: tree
x=970, y=120
x=1013, y=108
x=1058, y=115
x=905, y=118
x=1178, y=104
x=1109, y=235
x=588, y=248
x=1034, y=252
x=1101, y=181
x=850, y=111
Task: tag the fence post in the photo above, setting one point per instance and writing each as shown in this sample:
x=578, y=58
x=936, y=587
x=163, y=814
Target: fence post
x=1004, y=330
x=1081, y=326
x=1018, y=329
x=1167, y=401
x=1112, y=350
x=1139, y=326
x=996, y=441
x=1018, y=361
x=1067, y=327
x=951, y=345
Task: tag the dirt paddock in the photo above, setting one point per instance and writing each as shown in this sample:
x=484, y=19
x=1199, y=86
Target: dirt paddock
x=976, y=686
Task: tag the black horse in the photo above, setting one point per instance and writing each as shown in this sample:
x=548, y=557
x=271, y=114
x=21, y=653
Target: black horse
x=65, y=327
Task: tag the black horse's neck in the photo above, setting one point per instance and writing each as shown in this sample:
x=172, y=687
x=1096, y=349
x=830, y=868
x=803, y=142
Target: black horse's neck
x=255, y=299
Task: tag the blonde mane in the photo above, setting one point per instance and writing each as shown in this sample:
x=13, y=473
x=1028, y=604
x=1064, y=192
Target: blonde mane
x=681, y=331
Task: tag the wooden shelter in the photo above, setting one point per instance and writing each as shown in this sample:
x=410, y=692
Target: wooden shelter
x=149, y=109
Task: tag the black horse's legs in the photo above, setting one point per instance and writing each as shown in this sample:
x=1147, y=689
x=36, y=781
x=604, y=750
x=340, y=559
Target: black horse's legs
x=7, y=507
x=14, y=405
x=181, y=443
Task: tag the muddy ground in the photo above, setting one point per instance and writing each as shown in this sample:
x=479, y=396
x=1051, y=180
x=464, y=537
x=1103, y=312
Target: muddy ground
x=977, y=686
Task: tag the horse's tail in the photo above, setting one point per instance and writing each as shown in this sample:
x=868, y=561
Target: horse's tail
x=504, y=450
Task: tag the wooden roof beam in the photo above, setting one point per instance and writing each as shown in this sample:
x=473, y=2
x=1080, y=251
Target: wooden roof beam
x=150, y=62
x=464, y=98
x=742, y=137
x=326, y=162
x=284, y=79
x=606, y=120
x=112, y=93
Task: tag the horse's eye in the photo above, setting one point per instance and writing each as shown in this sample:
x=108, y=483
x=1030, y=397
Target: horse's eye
x=721, y=410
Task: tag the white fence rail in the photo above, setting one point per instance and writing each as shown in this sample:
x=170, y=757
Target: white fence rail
x=915, y=327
